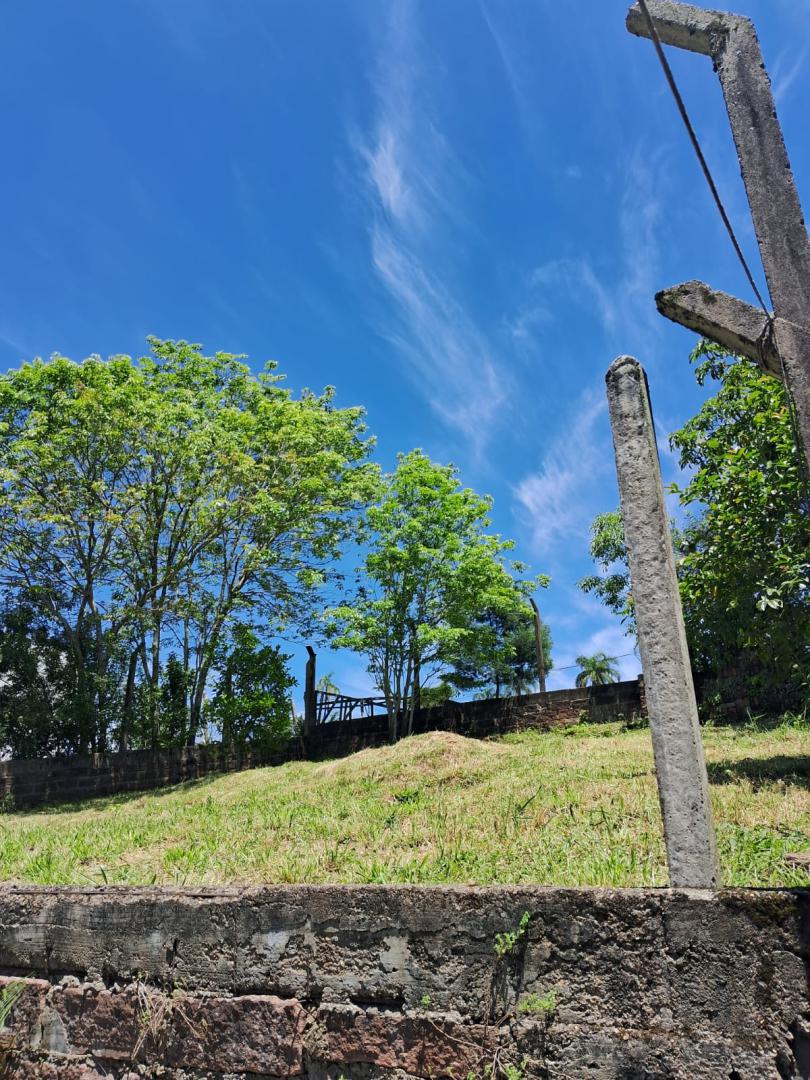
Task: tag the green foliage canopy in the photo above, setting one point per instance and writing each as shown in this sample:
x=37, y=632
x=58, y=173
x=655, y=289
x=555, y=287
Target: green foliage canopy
x=251, y=704
x=612, y=586
x=744, y=564
x=596, y=670
x=500, y=655
x=432, y=569
x=145, y=505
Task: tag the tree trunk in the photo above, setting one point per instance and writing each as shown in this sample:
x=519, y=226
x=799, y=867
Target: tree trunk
x=415, y=702
x=154, y=683
x=128, y=713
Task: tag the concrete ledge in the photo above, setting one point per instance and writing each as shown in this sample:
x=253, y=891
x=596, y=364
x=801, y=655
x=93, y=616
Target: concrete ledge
x=322, y=980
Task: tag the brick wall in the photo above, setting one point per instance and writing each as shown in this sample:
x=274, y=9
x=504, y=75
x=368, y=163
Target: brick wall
x=31, y=783
x=480, y=719
x=397, y=983
x=26, y=784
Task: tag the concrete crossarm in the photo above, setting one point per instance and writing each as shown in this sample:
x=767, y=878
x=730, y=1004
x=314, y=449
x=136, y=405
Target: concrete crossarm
x=685, y=26
x=737, y=326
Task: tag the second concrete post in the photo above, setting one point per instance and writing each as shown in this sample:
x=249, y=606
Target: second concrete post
x=679, y=764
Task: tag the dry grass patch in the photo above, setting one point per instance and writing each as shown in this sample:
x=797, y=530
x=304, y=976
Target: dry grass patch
x=575, y=807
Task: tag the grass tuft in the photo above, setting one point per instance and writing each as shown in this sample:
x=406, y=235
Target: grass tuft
x=574, y=807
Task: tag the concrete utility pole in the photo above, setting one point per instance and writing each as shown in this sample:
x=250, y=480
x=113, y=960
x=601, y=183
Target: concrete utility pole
x=683, y=787
x=731, y=42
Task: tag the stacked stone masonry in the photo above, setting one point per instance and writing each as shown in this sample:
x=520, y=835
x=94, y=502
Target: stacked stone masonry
x=25, y=784
x=380, y=982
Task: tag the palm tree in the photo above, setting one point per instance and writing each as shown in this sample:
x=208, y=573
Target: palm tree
x=598, y=670
x=327, y=684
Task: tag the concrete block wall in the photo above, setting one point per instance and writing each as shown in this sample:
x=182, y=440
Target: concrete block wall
x=31, y=783
x=481, y=719
x=379, y=982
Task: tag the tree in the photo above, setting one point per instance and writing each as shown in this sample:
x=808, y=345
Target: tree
x=327, y=685
x=37, y=682
x=251, y=702
x=612, y=585
x=173, y=707
x=596, y=670
x=500, y=655
x=431, y=570
x=145, y=506
x=432, y=696
x=744, y=566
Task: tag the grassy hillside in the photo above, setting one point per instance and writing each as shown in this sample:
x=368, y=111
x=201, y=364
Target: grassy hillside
x=576, y=807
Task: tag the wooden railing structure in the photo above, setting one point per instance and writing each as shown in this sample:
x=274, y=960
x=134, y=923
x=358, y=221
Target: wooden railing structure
x=324, y=707
x=330, y=707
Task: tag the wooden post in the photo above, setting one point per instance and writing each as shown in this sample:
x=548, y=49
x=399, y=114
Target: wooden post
x=680, y=769
x=538, y=644
x=310, y=713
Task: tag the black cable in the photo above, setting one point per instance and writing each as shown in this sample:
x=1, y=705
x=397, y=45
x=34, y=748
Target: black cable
x=570, y=667
x=767, y=333
x=659, y=48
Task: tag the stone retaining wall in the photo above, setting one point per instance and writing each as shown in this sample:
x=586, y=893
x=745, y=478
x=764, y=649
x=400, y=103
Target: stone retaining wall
x=25, y=784
x=380, y=982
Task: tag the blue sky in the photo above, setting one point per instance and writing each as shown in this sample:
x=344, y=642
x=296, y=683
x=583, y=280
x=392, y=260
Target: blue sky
x=455, y=211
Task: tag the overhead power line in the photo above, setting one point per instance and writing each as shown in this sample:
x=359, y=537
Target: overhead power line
x=568, y=667
x=768, y=329
x=659, y=48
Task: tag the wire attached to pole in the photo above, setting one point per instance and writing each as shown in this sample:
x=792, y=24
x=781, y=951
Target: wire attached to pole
x=768, y=329
x=659, y=48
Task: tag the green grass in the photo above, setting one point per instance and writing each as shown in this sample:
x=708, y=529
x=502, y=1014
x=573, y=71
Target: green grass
x=575, y=807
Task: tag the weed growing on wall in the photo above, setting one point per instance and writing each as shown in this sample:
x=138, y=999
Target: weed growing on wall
x=507, y=942
x=9, y=996
x=539, y=1004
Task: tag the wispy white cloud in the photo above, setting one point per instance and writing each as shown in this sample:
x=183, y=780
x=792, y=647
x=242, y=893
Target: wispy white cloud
x=11, y=340
x=511, y=27
x=787, y=68
x=576, y=277
x=452, y=359
x=556, y=500
x=411, y=183
x=639, y=228
x=619, y=294
x=511, y=67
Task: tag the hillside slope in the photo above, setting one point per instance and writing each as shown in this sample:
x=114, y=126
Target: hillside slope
x=575, y=807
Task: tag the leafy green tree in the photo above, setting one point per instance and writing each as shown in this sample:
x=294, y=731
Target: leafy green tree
x=744, y=567
x=612, y=585
x=173, y=708
x=500, y=655
x=431, y=696
x=145, y=506
x=251, y=702
x=36, y=688
x=430, y=571
x=596, y=670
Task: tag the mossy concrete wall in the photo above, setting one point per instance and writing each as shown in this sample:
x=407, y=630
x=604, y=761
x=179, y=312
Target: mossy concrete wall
x=383, y=982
